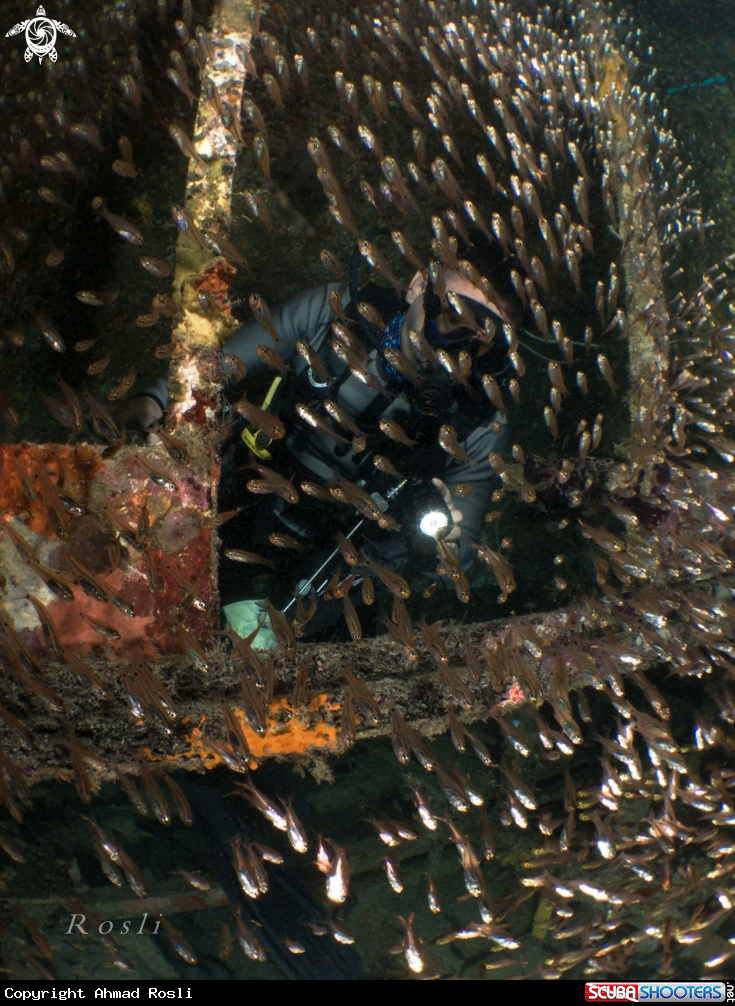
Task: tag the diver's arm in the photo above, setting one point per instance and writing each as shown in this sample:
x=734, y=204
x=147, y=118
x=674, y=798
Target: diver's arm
x=305, y=316
x=145, y=408
x=474, y=509
x=480, y=477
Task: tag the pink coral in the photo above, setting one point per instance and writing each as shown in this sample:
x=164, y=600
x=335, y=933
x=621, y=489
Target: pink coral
x=177, y=529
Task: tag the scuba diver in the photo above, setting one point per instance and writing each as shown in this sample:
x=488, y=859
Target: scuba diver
x=387, y=391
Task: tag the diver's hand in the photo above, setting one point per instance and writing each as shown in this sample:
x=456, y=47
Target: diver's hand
x=417, y=286
x=142, y=409
x=457, y=515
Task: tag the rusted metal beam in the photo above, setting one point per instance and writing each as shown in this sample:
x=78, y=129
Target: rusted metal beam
x=645, y=303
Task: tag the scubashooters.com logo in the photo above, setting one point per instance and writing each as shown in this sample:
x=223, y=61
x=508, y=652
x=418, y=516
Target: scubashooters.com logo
x=659, y=992
x=40, y=35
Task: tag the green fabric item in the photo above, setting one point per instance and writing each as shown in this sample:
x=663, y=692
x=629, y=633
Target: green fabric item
x=245, y=617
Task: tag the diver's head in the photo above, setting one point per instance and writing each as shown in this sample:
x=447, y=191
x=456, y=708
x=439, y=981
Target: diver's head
x=486, y=295
x=425, y=305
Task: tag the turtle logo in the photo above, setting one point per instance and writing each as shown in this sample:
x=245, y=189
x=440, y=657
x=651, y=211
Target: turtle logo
x=40, y=35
